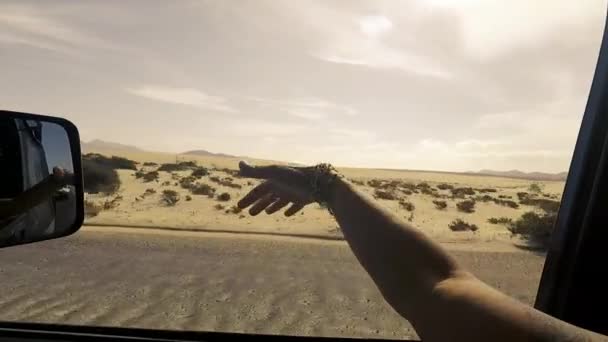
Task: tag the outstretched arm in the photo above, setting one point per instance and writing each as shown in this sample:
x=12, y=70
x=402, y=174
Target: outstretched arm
x=417, y=277
x=36, y=194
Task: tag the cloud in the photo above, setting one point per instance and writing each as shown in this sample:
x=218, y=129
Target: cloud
x=24, y=25
x=182, y=96
x=310, y=109
x=375, y=25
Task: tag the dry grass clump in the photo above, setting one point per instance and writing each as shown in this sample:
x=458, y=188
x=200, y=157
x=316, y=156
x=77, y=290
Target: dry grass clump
x=500, y=220
x=441, y=205
x=224, y=197
x=459, y=225
x=385, y=194
x=170, y=197
x=203, y=189
x=91, y=209
x=462, y=192
x=466, y=206
x=409, y=206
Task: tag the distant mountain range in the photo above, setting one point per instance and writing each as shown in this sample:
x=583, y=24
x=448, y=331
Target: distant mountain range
x=101, y=145
x=541, y=176
x=207, y=153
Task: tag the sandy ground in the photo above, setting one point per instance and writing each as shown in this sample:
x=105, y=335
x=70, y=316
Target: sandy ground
x=136, y=209
x=220, y=282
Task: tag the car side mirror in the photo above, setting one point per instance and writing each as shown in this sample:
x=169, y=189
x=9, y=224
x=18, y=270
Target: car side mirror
x=41, y=189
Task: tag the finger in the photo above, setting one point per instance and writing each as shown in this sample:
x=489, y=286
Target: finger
x=262, y=204
x=254, y=195
x=293, y=209
x=276, y=206
x=276, y=172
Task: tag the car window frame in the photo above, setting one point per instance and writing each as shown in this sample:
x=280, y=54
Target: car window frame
x=573, y=282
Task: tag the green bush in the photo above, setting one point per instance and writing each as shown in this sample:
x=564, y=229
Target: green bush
x=534, y=227
x=99, y=177
x=113, y=162
x=181, y=166
x=535, y=187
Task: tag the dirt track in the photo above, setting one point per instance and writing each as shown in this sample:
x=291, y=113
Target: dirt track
x=220, y=283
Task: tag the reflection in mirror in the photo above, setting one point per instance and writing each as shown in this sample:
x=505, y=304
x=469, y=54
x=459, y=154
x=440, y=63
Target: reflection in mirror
x=37, y=195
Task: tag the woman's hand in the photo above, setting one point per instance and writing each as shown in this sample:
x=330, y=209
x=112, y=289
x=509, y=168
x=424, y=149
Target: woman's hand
x=283, y=185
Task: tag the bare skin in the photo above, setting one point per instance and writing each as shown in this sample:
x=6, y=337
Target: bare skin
x=416, y=276
x=36, y=194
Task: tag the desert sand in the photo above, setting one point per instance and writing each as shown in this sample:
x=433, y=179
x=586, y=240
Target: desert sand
x=136, y=208
x=145, y=278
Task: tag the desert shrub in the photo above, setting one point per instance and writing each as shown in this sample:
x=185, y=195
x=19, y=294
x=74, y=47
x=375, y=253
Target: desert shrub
x=357, y=182
x=500, y=220
x=188, y=198
x=199, y=172
x=181, y=166
x=506, y=203
x=522, y=195
x=548, y=205
x=445, y=186
x=466, y=206
x=223, y=197
x=113, y=203
x=113, y=162
x=408, y=186
x=484, y=198
x=219, y=206
x=406, y=191
x=203, y=189
x=535, y=188
x=505, y=196
x=374, y=183
x=233, y=173
x=170, y=197
x=99, y=178
x=150, y=164
x=91, y=209
x=150, y=176
x=483, y=190
x=461, y=192
x=386, y=195
x=227, y=181
x=149, y=191
x=187, y=182
x=166, y=183
x=234, y=210
x=423, y=185
x=536, y=228
x=459, y=225
x=409, y=206
x=440, y=204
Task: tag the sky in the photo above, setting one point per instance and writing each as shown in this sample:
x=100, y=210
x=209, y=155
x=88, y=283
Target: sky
x=414, y=84
x=56, y=147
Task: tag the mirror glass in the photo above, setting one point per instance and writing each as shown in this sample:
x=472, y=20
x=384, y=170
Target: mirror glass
x=37, y=193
